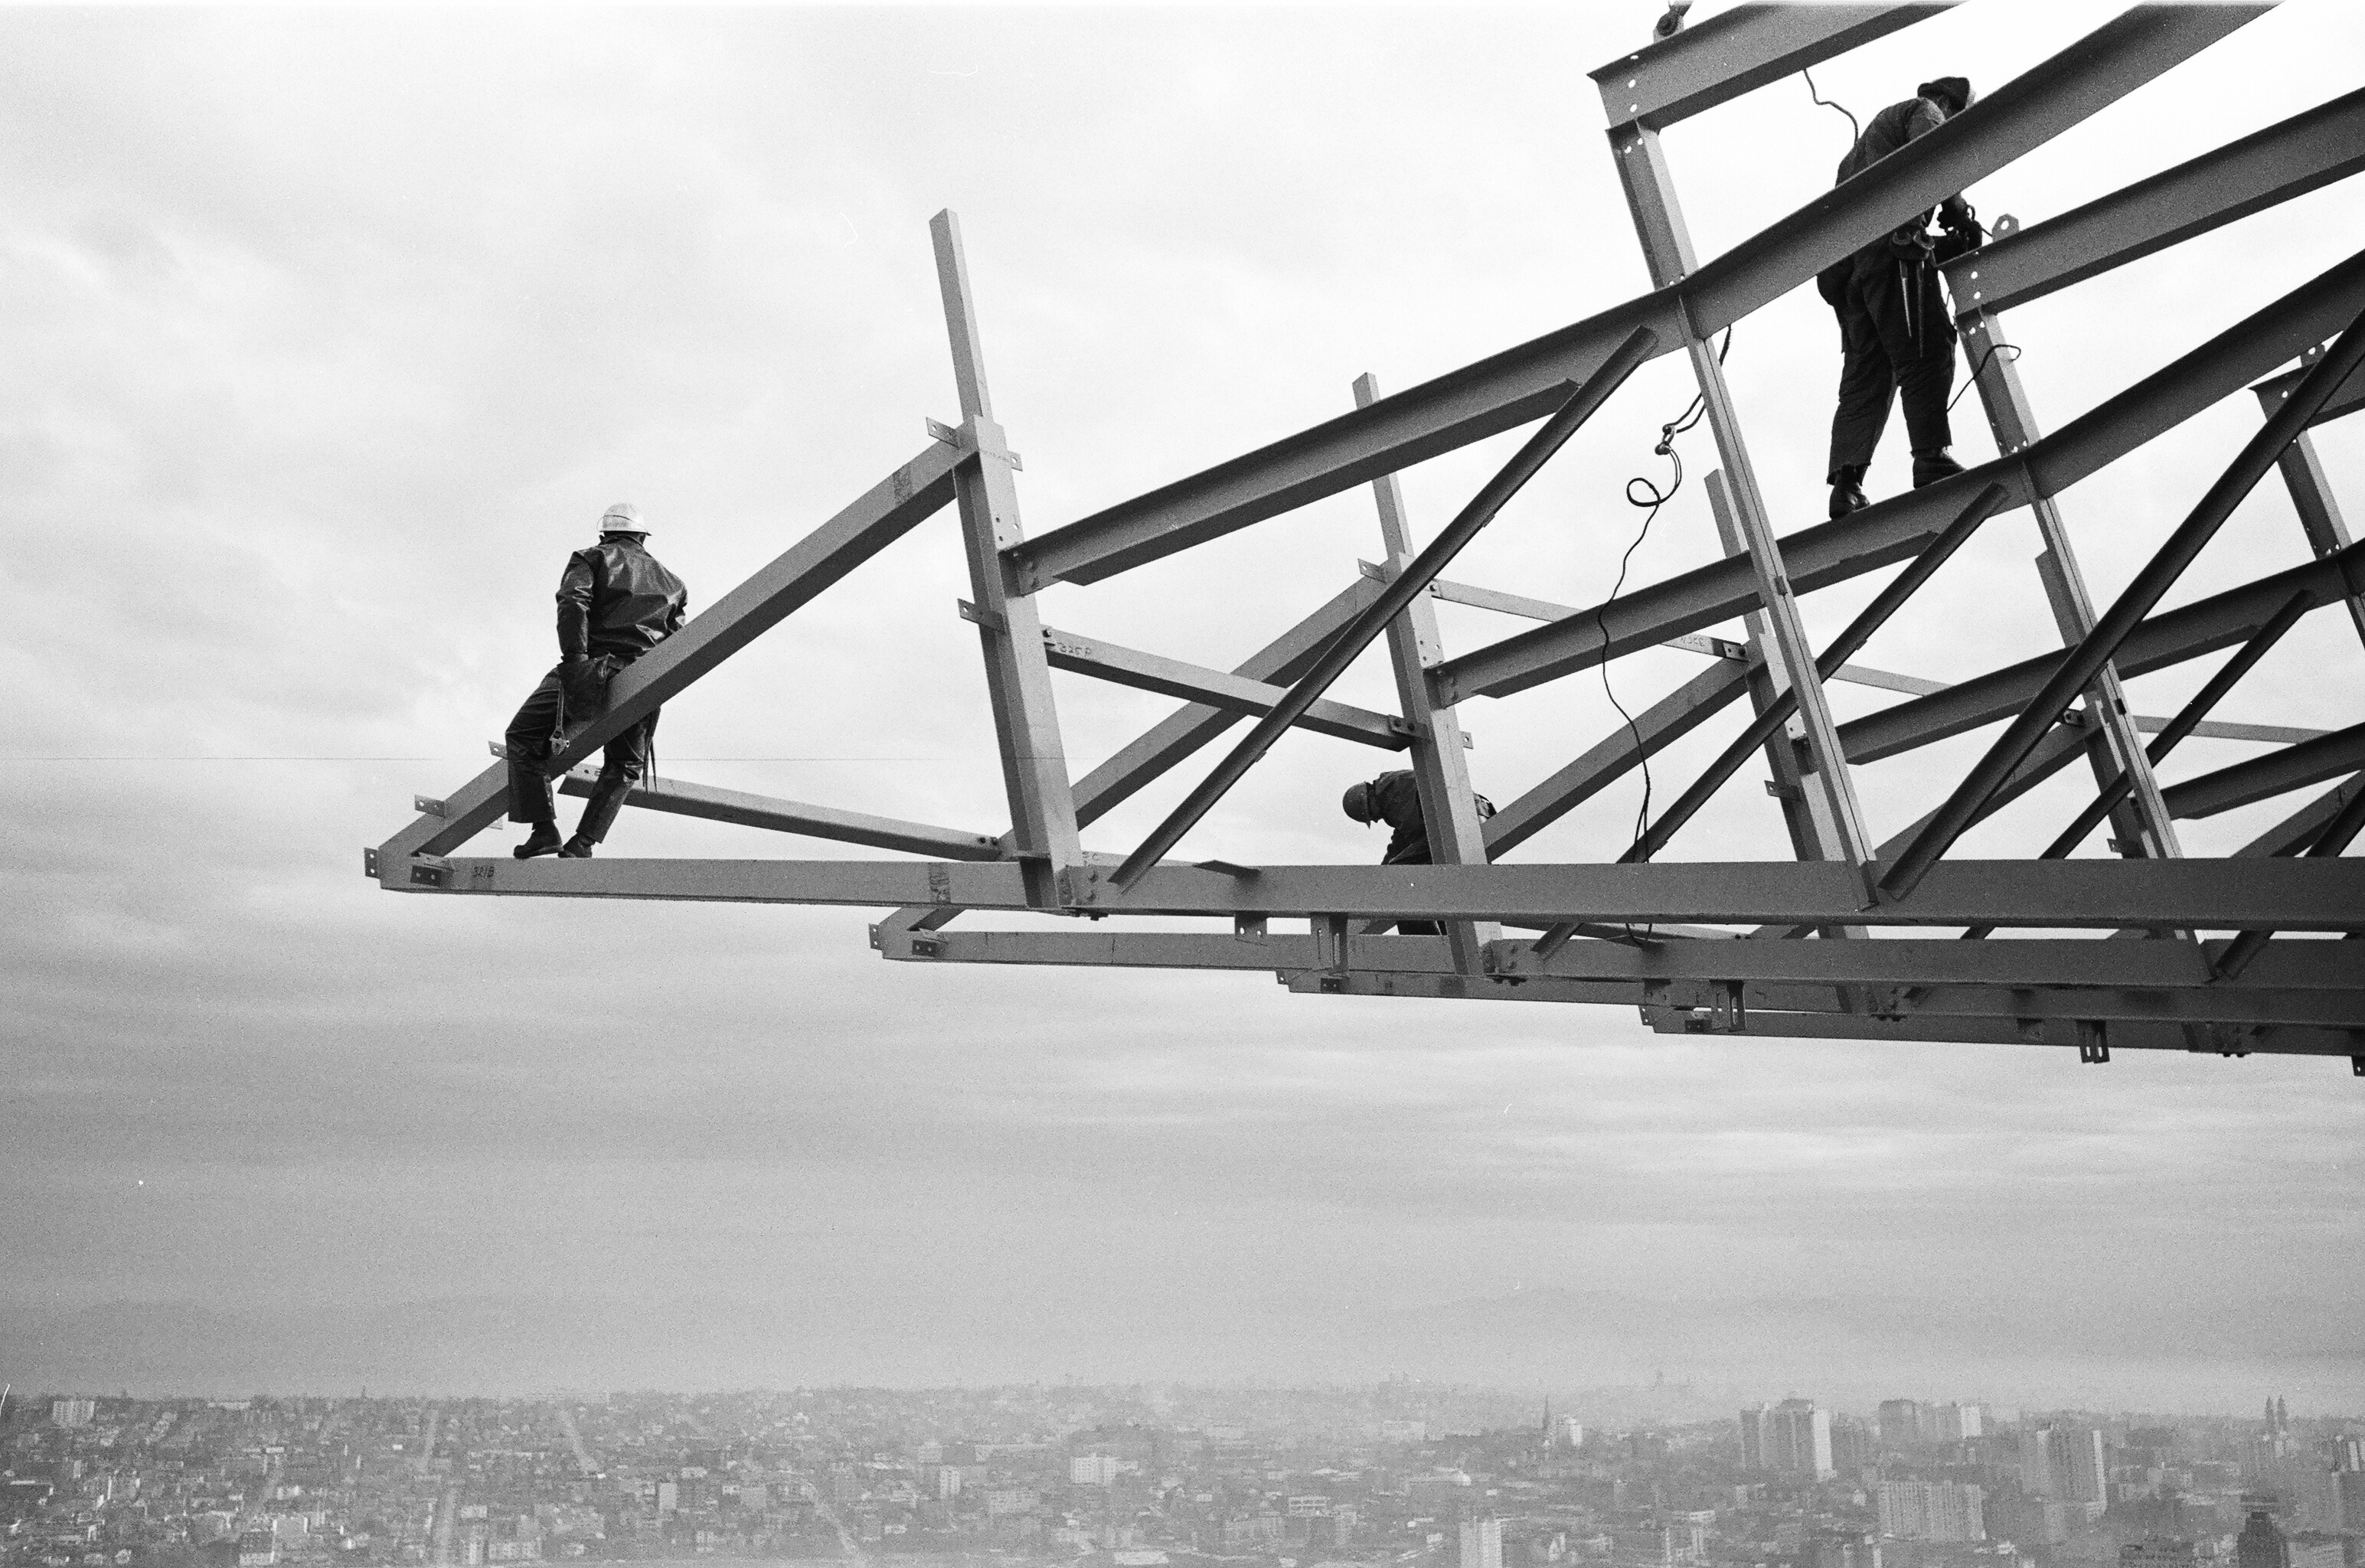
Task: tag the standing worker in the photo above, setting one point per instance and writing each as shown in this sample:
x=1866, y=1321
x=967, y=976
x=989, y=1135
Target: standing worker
x=616, y=601
x=1895, y=335
x=1394, y=798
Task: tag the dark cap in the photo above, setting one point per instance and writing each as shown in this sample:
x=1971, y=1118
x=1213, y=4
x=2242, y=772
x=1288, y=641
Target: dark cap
x=1956, y=90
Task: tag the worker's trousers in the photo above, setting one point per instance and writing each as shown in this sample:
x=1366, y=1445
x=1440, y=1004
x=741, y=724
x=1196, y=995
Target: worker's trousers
x=1895, y=341
x=533, y=736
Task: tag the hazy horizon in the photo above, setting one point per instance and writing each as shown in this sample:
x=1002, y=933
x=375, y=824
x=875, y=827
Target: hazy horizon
x=332, y=331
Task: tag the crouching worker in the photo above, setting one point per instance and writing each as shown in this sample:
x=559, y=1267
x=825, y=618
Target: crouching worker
x=1897, y=343
x=1394, y=798
x=615, y=603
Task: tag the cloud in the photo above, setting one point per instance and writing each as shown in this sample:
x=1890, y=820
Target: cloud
x=332, y=332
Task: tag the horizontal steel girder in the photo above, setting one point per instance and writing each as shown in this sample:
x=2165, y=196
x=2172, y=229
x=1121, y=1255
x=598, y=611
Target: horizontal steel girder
x=1525, y=383
x=1890, y=531
x=1737, y=51
x=1998, y=1030
x=2292, y=895
x=2167, y=638
x=2050, y=963
x=2303, y=153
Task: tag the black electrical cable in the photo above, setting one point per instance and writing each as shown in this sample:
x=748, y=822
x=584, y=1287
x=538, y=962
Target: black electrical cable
x=1651, y=500
x=1974, y=381
x=1855, y=131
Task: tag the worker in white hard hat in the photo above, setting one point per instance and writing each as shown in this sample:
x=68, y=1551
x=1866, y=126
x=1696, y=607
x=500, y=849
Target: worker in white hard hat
x=616, y=601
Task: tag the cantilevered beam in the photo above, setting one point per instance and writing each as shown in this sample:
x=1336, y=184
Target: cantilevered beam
x=2333, y=969
x=2288, y=894
x=1523, y=384
x=2300, y=154
x=1891, y=529
x=1737, y=51
x=881, y=515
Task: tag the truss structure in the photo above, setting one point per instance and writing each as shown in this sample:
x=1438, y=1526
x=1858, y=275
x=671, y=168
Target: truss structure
x=1857, y=936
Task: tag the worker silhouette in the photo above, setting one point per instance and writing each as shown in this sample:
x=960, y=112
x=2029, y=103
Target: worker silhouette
x=1896, y=338
x=1394, y=798
x=615, y=603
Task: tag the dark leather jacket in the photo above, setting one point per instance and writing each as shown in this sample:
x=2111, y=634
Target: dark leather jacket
x=1395, y=797
x=1890, y=130
x=616, y=598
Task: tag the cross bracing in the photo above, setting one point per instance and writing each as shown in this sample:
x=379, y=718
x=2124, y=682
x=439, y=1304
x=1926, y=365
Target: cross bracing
x=1862, y=933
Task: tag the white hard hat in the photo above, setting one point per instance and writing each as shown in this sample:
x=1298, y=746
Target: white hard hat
x=622, y=518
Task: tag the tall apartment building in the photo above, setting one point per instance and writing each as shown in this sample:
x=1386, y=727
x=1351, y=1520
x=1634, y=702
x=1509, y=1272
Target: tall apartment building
x=1793, y=1437
x=1482, y=1542
x=1900, y=1423
x=2260, y=1544
x=1959, y=1423
x=1933, y=1510
x=74, y=1411
x=2065, y=1463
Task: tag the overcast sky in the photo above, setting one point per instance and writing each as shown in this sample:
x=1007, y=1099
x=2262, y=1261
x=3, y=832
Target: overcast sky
x=329, y=333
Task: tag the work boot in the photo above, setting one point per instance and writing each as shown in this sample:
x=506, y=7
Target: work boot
x=1847, y=492
x=576, y=848
x=1929, y=467
x=542, y=840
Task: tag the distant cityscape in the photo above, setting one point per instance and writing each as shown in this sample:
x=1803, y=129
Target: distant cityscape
x=1401, y=1473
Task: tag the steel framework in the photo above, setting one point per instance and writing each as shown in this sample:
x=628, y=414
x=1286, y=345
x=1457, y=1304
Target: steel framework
x=1818, y=956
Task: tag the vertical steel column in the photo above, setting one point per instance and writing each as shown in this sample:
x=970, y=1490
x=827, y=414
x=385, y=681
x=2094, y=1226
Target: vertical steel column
x=2144, y=828
x=1017, y=673
x=1456, y=836
x=1828, y=812
x=2319, y=514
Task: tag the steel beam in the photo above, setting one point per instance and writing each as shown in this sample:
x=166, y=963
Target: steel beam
x=2170, y=637
x=2333, y=971
x=1891, y=529
x=1670, y=719
x=1580, y=405
x=2303, y=153
x=2295, y=834
x=877, y=519
x=1440, y=773
x=1772, y=716
x=679, y=798
x=1737, y=51
x=1523, y=384
x=1010, y=631
x=2277, y=773
x=2093, y=654
x=1213, y=688
x=2263, y=893
x=2302, y=472
x=2346, y=400
x=2119, y=757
